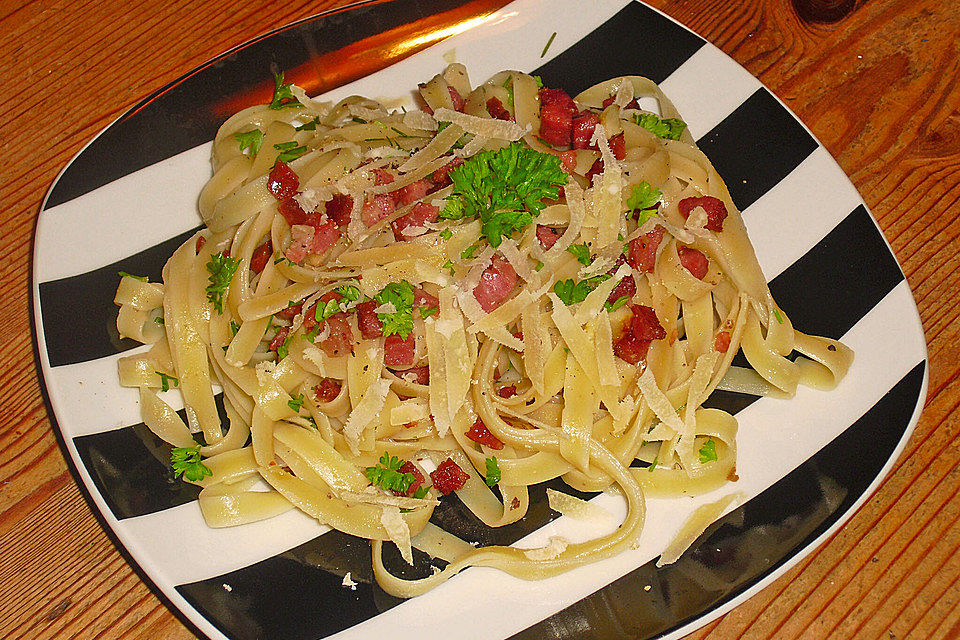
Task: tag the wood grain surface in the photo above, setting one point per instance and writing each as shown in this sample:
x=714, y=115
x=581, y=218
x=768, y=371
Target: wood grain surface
x=877, y=82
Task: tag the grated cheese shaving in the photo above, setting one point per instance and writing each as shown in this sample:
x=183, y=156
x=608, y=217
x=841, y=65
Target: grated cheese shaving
x=575, y=508
x=695, y=525
x=556, y=546
x=658, y=402
x=398, y=531
x=486, y=127
x=365, y=412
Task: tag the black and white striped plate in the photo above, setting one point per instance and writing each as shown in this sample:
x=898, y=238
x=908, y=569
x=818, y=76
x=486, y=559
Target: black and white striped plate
x=129, y=198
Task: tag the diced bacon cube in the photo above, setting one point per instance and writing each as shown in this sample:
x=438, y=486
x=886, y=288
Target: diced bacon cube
x=370, y=325
x=279, y=339
x=548, y=236
x=643, y=250
x=455, y=98
x=290, y=312
x=398, y=352
x=694, y=261
x=340, y=342
x=201, y=241
x=417, y=217
x=417, y=375
x=441, y=177
x=633, y=104
x=645, y=324
x=325, y=235
x=422, y=299
x=630, y=348
x=338, y=209
x=583, y=127
x=496, y=284
x=261, y=256
x=481, y=435
x=496, y=110
x=722, y=342
x=282, y=181
x=301, y=239
x=556, y=117
x=409, y=467
x=413, y=191
x=449, y=477
x=292, y=212
x=376, y=209
x=618, y=146
x=382, y=176
x=507, y=391
x=626, y=287
x=327, y=390
x=716, y=210
x=568, y=160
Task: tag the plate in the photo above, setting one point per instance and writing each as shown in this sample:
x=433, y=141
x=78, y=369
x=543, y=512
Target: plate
x=805, y=464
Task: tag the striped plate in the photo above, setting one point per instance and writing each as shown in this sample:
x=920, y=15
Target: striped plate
x=805, y=464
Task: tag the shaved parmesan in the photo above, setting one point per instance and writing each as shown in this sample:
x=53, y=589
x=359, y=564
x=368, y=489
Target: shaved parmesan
x=576, y=508
x=695, y=525
x=365, y=412
x=349, y=583
x=556, y=546
x=420, y=120
x=487, y=127
x=398, y=531
x=658, y=402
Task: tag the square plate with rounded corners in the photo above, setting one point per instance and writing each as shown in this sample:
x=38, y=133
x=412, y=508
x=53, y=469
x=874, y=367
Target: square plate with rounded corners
x=805, y=464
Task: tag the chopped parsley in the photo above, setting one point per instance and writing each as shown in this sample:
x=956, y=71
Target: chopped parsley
x=653, y=465
x=446, y=234
x=296, y=402
x=234, y=327
x=124, y=274
x=426, y=312
x=549, y=42
x=538, y=266
x=776, y=314
x=386, y=474
x=469, y=252
x=289, y=151
x=669, y=128
x=309, y=126
x=448, y=265
x=505, y=188
x=708, y=452
x=616, y=304
x=493, y=472
x=159, y=320
x=645, y=198
x=326, y=309
x=282, y=95
x=571, y=292
x=400, y=322
x=186, y=462
x=250, y=140
x=221, y=270
x=581, y=252
x=284, y=349
x=539, y=81
x=166, y=381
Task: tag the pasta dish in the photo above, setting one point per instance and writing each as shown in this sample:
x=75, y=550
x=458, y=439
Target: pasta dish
x=502, y=287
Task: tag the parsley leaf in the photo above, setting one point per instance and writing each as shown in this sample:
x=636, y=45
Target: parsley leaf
x=426, y=312
x=653, y=465
x=349, y=292
x=420, y=493
x=708, y=452
x=539, y=81
x=549, y=42
x=616, y=304
x=571, y=292
x=186, y=462
x=448, y=265
x=493, y=472
x=326, y=309
x=234, y=327
x=296, y=402
x=387, y=474
x=468, y=253
x=643, y=196
x=581, y=252
x=221, y=270
x=284, y=349
x=400, y=294
x=159, y=320
x=446, y=234
x=309, y=126
x=505, y=188
x=124, y=274
x=282, y=95
x=250, y=140
x=289, y=151
x=538, y=266
x=165, y=381
x=669, y=128
x=776, y=314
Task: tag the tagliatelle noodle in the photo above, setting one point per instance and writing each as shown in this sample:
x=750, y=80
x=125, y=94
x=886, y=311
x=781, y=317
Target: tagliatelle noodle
x=549, y=369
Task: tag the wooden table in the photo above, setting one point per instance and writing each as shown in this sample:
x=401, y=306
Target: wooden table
x=876, y=80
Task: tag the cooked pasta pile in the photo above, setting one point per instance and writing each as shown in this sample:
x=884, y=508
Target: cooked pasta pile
x=504, y=287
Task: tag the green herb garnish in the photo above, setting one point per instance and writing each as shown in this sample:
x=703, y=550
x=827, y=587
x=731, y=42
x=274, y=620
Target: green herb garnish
x=309, y=126
x=296, y=402
x=250, y=140
x=549, y=42
x=581, y=252
x=493, y=472
x=645, y=198
x=669, y=128
x=776, y=314
x=616, y=304
x=446, y=234
x=571, y=292
x=400, y=295
x=469, y=252
x=124, y=274
x=426, y=312
x=166, y=381
x=387, y=474
x=504, y=188
x=186, y=462
x=289, y=151
x=221, y=270
x=282, y=95
x=708, y=452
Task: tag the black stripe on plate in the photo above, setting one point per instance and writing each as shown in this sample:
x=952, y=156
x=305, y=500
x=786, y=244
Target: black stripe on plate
x=756, y=146
x=752, y=541
x=840, y=279
x=187, y=109
x=79, y=316
x=131, y=469
x=636, y=41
